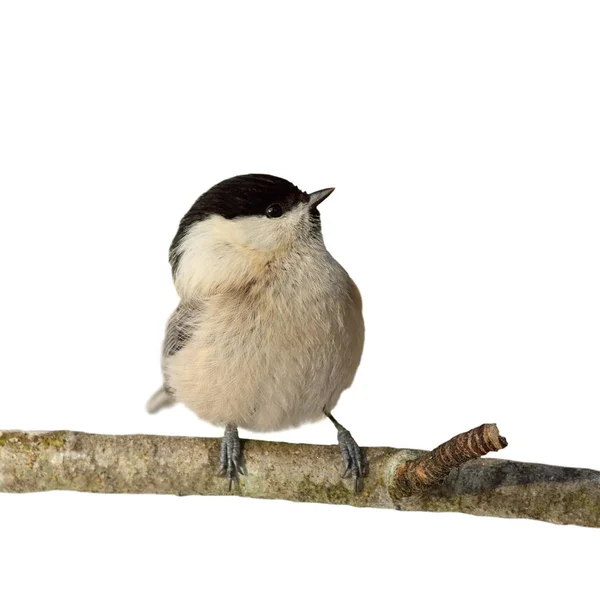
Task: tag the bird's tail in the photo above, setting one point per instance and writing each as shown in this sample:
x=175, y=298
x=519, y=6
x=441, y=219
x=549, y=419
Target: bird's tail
x=159, y=400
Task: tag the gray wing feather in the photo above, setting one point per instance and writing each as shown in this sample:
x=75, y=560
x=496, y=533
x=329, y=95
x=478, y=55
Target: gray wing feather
x=179, y=329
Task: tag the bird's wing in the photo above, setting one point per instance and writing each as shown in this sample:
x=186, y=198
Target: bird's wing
x=179, y=329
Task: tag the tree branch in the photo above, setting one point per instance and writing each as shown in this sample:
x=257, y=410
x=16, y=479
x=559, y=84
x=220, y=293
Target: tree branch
x=145, y=464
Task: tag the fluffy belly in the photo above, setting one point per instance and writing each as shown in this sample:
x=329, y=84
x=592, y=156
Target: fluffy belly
x=260, y=372
x=255, y=387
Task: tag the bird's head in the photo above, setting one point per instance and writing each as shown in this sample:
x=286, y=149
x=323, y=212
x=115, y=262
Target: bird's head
x=239, y=227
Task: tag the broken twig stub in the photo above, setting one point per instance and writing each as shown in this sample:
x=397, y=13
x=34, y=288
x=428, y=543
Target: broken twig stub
x=432, y=468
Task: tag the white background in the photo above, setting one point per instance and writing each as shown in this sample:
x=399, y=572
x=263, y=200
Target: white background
x=463, y=142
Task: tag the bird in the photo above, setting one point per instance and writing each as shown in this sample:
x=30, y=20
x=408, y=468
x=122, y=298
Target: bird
x=269, y=329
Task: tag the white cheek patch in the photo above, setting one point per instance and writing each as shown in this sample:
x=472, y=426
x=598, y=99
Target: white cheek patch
x=217, y=254
x=250, y=233
x=261, y=234
x=207, y=259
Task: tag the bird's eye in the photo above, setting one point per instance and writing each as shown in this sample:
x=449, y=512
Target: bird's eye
x=274, y=211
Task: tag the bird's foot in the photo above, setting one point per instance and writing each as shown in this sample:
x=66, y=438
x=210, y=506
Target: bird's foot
x=231, y=459
x=352, y=455
x=355, y=463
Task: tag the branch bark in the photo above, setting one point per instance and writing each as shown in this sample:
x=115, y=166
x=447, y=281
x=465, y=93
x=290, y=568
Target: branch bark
x=145, y=464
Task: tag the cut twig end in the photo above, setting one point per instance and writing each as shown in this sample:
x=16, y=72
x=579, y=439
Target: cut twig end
x=490, y=433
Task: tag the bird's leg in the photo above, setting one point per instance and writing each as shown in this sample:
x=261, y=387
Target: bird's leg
x=231, y=460
x=352, y=455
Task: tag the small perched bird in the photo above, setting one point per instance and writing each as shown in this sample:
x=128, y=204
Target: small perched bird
x=269, y=329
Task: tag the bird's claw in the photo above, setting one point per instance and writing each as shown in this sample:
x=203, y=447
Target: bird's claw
x=231, y=459
x=352, y=455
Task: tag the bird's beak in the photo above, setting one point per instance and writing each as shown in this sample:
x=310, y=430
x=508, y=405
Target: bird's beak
x=316, y=198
